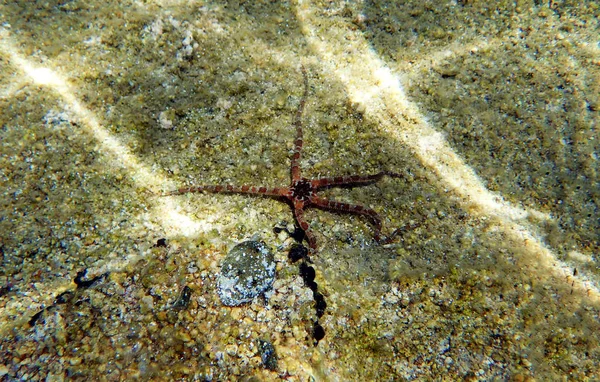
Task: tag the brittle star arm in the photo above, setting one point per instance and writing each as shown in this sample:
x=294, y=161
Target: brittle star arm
x=231, y=189
x=295, y=167
x=332, y=205
x=351, y=180
x=299, y=215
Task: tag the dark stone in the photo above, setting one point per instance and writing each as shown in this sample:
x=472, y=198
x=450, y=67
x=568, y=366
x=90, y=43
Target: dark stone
x=5, y=289
x=183, y=300
x=63, y=298
x=81, y=283
x=298, y=233
x=267, y=355
x=34, y=319
x=161, y=243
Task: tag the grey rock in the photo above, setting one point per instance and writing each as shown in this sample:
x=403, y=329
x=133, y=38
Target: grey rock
x=246, y=272
x=267, y=355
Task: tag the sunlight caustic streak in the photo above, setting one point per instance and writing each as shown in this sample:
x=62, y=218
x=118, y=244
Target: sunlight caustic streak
x=166, y=211
x=369, y=82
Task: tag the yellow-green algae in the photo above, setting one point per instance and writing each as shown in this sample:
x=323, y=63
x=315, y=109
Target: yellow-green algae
x=205, y=92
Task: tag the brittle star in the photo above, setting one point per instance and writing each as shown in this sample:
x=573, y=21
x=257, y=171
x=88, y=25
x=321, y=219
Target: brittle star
x=302, y=192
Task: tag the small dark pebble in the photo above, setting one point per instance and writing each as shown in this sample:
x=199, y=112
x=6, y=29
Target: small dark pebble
x=79, y=279
x=298, y=252
x=320, y=304
x=64, y=297
x=86, y=284
x=5, y=289
x=161, y=243
x=33, y=320
x=183, y=300
x=267, y=355
x=297, y=234
x=318, y=332
x=82, y=301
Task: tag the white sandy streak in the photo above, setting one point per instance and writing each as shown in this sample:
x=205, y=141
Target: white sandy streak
x=119, y=153
x=370, y=83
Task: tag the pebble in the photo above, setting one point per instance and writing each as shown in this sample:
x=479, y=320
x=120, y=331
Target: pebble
x=231, y=349
x=267, y=355
x=247, y=271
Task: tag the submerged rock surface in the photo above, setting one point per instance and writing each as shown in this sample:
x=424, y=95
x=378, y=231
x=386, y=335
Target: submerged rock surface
x=246, y=272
